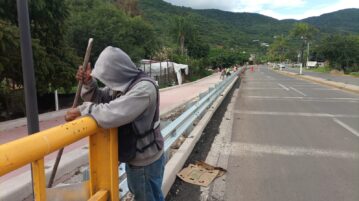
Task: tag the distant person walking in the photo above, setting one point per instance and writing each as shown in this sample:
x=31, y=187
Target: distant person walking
x=228, y=72
x=223, y=73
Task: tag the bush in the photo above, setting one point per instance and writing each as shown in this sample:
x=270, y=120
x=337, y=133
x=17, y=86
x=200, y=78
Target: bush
x=355, y=74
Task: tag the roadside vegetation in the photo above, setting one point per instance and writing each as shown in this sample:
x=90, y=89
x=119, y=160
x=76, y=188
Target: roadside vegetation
x=340, y=51
x=324, y=69
x=153, y=29
x=60, y=30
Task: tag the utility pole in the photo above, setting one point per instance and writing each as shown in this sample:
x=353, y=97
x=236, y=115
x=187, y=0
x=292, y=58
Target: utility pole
x=302, y=55
x=28, y=69
x=307, y=54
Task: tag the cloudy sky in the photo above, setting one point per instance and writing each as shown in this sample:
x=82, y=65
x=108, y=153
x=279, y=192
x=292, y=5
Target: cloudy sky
x=280, y=9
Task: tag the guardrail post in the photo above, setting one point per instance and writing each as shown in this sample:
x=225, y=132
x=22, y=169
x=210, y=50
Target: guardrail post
x=39, y=181
x=103, y=158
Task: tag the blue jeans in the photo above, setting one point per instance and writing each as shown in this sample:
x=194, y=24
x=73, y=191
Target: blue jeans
x=145, y=182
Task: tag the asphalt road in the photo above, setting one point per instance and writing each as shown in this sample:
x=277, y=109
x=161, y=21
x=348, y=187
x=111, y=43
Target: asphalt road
x=293, y=140
x=347, y=79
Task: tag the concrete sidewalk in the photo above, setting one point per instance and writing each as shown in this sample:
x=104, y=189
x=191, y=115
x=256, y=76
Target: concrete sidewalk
x=170, y=99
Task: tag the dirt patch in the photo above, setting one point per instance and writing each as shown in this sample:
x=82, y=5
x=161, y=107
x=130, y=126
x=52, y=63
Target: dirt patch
x=336, y=72
x=171, y=116
x=181, y=190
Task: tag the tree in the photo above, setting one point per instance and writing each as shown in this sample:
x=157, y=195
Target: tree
x=224, y=58
x=130, y=7
x=342, y=51
x=198, y=49
x=182, y=28
x=110, y=26
x=305, y=33
x=278, y=49
x=54, y=60
x=10, y=59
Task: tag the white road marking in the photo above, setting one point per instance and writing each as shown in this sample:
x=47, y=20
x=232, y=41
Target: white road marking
x=350, y=129
x=303, y=99
x=328, y=101
x=320, y=89
x=303, y=114
x=304, y=84
x=252, y=80
x=284, y=87
x=248, y=149
x=300, y=97
x=276, y=97
x=261, y=88
x=296, y=90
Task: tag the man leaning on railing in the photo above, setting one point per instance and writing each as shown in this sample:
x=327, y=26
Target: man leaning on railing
x=129, y=101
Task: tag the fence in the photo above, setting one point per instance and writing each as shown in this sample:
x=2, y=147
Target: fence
x=162, y=71
x=103, y=152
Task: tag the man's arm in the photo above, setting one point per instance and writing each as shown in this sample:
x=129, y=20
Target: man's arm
x=90, y=91
x=123, y=109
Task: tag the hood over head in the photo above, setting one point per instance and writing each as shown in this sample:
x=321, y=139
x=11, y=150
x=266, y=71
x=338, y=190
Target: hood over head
x=115, y=69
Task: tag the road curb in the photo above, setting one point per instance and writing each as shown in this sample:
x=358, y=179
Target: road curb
x=175, y=164
x=339, y=85
x=220, y=151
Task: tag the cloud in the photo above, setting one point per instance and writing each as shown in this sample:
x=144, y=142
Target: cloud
x=258, y=5
x=238, y=5
x=299, y=9
x=313, y=10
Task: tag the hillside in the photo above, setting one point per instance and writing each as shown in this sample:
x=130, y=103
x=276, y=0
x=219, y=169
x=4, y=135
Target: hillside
x=342, y=21
x=217, y=27
x=221, y=28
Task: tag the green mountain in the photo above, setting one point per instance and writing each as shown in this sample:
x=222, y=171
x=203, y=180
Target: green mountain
x=244, y=30
x=342, y=21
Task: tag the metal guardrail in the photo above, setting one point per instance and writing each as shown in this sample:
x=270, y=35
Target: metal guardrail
x=181, y=124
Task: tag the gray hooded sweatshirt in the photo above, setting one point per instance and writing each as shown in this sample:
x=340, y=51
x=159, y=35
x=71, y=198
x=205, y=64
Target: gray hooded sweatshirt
x=114, y=108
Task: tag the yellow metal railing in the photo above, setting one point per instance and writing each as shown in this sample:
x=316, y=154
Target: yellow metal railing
x=103, y=156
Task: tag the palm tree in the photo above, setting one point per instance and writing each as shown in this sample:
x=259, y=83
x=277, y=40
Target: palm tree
x=182, y=29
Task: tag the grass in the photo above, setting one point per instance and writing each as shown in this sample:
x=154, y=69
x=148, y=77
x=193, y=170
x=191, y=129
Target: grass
x=327, y=69
x=195, y=77
x=324, y=69
x=355, y=74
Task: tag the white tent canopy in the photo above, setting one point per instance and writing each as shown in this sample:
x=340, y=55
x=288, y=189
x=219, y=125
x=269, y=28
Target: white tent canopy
x=158, y=67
